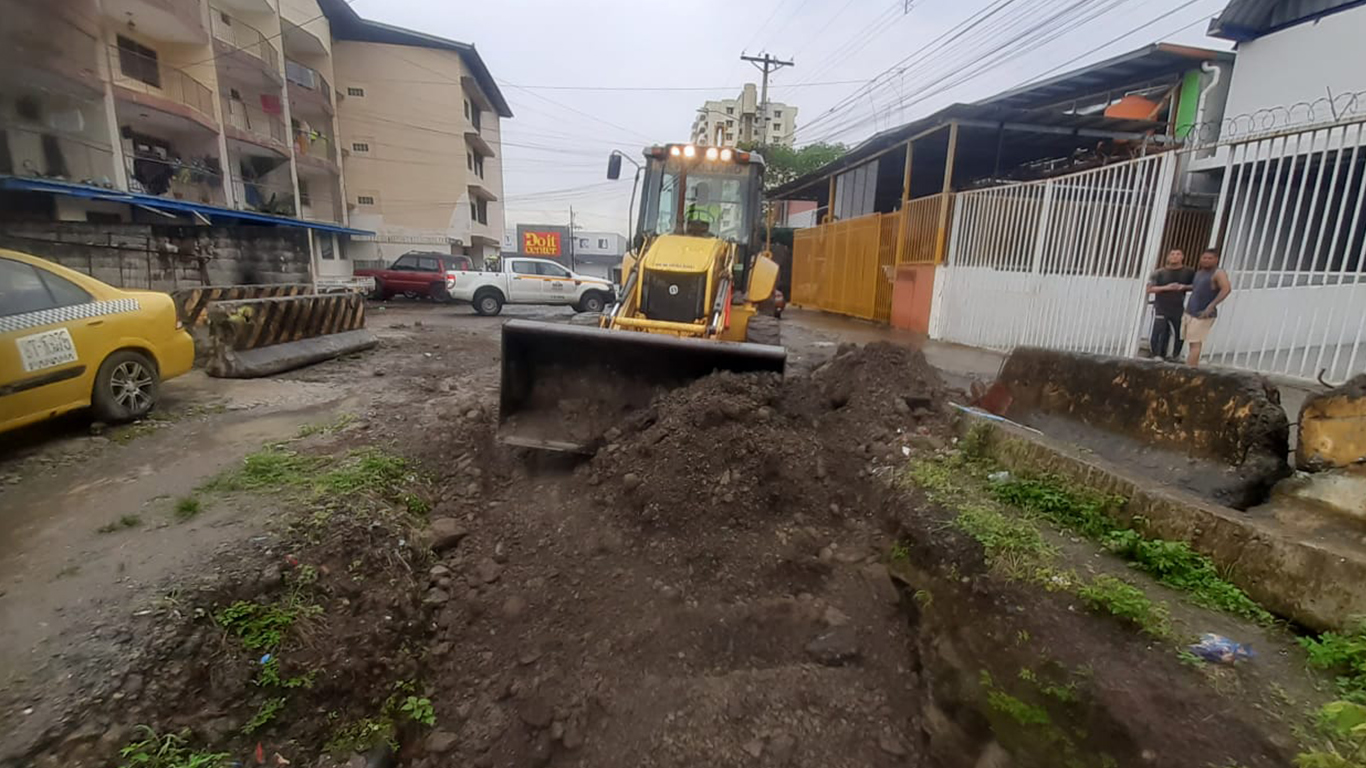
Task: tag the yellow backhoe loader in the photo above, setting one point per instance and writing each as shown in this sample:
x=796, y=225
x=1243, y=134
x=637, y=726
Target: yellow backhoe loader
x=689, y=304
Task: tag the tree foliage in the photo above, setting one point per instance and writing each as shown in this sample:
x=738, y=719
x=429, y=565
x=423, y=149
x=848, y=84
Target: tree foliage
x=783, y=164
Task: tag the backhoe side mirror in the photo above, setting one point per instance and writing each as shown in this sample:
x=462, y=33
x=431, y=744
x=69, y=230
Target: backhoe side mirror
x=614, y=166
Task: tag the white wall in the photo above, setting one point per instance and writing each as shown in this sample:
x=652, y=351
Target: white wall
x=1300, y=64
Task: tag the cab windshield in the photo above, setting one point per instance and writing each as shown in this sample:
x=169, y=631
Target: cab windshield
x=716, y=199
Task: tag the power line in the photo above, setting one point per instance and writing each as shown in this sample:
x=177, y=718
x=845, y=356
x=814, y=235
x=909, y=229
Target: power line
x=671, y=88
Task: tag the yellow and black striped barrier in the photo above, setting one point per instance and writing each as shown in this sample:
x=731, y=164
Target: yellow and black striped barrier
x=258, y=337
x=192, y=304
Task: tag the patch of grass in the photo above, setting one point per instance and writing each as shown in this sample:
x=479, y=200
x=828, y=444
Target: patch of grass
x=167, y=751
x=365, y=471
x=416, y=505
x=126, y=521
x=1010, y=542
x=1191, y=660
x=263, y=627
x=1016, y=709
x=270, y=676
x=900, y=553
x=264, y=715
x=1077, y=510
x=1344, y=654
x=271, y=467
x=1342, y=724
x=975, y=443
x=327, y=427
x=1123, y=600
x=1067, y=694
x=187, y=507
x=361, y=735
x=1175, y=564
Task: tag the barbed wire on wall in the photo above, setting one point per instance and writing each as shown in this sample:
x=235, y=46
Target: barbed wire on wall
x=1318, y=113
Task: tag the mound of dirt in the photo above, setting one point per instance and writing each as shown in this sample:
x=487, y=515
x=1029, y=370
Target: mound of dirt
x=734, y=449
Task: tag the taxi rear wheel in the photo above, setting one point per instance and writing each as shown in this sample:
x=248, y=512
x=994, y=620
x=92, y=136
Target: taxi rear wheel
x=126, y=387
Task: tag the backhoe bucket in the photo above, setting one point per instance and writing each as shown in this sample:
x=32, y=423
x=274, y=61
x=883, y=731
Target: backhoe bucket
x=564, y=386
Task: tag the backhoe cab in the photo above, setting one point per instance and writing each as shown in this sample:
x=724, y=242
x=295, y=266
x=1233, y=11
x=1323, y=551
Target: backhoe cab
x=698, y=269
x=688, y=306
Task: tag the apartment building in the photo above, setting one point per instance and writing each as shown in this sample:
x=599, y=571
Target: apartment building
x=217, y=112
x=730, y=122
x=421, y=149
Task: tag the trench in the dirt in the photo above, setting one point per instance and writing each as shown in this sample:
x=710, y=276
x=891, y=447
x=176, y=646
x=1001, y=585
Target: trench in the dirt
x=711, y=588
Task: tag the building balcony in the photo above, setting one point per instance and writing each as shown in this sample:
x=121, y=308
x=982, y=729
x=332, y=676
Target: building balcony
x=308, y=89
x=478, y=190
x=171, y=21
x=315, y=150
x=476, y=141
x=319, y=200
x=263, y=196
x=254, y=125
x=41, y=152
x=39, y=54
x=146, y=81
x=196, y=181
x=241, y=45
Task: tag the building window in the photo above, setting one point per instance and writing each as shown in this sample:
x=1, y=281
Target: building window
x=469, y=160
x=730, y=123
x=730, y=110
x=479, y=166
x=602, y=242
x=303, y=193
x=777, y=113
x=361, y=147
x=325, y=247
x=365, y=200
x=353, y=91
x=479, y=210
x=467, y=109
x=583, y=242
x=139, y=62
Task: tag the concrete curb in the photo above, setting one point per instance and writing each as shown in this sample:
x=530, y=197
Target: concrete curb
x=264, y=361
x=1311, y=576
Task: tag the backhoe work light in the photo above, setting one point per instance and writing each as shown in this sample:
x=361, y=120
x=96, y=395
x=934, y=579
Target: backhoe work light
x=712, y=153
x=689, y=151
x=726, y=155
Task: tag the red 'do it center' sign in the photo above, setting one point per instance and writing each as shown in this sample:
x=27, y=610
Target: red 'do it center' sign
x=541, y=243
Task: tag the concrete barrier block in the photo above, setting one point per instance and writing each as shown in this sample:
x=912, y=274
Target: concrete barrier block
x=1231, y=419
x=266, y=361
x=1333, y=428
x=236, y=327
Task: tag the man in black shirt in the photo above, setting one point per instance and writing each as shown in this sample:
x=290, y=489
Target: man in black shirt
x=1168, y=287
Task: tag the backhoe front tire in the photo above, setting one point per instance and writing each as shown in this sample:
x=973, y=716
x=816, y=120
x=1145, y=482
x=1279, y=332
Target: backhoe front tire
x=764, y=329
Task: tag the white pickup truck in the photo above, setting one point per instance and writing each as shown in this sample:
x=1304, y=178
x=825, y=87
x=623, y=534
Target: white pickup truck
x=529, y=281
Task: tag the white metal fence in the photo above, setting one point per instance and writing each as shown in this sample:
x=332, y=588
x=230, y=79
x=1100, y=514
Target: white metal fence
x=1293, y=234
x=1060, y=263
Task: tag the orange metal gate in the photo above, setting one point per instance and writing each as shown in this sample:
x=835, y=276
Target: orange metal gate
x=849, y=266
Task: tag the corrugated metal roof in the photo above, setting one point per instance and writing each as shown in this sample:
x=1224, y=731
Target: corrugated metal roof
x=1147, y=64
x=1243, y=20
x=88, y=192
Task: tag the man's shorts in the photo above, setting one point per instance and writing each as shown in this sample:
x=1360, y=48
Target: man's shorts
x=1196, y=329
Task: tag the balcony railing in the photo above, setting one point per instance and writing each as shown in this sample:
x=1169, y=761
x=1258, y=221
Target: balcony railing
x=147, y=74
x=319, y=203
x=309, y=78
x=254, y=120
x=52, y=155
x=264, y=196
x=314, y=144
x=196, y=180
x=245, y=38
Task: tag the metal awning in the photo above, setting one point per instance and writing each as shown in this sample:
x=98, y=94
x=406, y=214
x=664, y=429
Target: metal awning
x=89, y=192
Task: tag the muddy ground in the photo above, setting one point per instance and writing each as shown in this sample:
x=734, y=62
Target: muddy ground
x=737, y=577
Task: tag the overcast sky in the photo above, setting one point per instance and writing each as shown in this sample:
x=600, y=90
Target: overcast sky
x=542, y=52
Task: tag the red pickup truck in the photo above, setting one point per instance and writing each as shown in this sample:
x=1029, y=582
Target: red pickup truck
x=416, y=274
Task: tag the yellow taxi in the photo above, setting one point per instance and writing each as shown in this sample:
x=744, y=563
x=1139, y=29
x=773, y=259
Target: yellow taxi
x=69, y=341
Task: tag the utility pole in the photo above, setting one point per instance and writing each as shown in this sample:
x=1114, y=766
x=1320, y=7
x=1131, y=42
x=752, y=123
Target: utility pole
x=766, y=64
x=572, y=238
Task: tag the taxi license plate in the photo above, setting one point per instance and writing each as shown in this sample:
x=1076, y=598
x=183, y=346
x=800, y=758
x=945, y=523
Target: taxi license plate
x=46, y=349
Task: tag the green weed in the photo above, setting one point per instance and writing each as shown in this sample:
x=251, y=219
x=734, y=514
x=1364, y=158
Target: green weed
x=1009, y=541
x=1343, y=653
x=1175, y=564
x=1343, y=726
x=1081, y=511
x=264, y=715
x=187, y=508
x=361, y=735
x=1190, y=659
x=263, y=627
x=1125, y=601
x=270, y=676
x=416, y=505
x=1016, y=709
x=326, y=427
x=976, y=442
x=168, y=751
x=126, y=521
x=418, y=709
x=366, y=471
x=900, y=553
x=271, y=467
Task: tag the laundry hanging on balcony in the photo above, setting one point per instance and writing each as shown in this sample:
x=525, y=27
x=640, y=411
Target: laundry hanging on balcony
x=270, y=104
